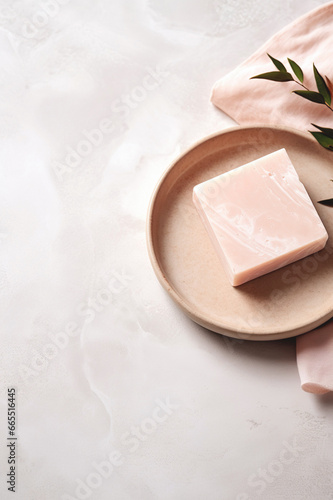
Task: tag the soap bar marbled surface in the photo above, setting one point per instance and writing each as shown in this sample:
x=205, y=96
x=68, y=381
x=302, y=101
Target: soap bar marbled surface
x=259, y=217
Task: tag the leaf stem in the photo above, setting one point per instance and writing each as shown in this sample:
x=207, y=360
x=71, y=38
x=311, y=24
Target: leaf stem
x=306, y=88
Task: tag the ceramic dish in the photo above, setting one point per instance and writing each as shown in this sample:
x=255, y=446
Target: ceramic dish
x=282, y=304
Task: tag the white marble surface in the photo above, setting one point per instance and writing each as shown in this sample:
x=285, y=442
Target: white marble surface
x=119, y=395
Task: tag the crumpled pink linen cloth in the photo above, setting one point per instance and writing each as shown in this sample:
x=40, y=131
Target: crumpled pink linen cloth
x=307, y=40
x=314, y=351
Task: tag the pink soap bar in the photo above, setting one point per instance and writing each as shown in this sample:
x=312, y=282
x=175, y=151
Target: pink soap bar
x=259, y=217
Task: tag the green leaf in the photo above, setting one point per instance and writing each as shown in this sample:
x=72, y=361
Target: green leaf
x=321, y=86
x=328, y=202
x=310, y=95
x=275, y=76
x=329, y=84
x=325, y=130
x=324, y=140
x=296, y=69
x=278, y=64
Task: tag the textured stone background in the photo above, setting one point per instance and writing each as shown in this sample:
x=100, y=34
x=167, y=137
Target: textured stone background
x=120, y=396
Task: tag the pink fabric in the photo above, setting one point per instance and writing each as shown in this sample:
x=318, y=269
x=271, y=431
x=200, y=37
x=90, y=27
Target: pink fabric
x=308, y=40
x=315, y=359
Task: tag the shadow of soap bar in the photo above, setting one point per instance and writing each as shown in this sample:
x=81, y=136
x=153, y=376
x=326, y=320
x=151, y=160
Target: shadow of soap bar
x=259, y=217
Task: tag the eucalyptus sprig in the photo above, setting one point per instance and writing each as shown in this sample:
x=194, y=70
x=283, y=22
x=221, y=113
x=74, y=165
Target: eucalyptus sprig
x=323, y=96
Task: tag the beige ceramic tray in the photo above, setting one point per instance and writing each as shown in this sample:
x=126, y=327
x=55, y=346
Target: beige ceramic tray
x=285, y=303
